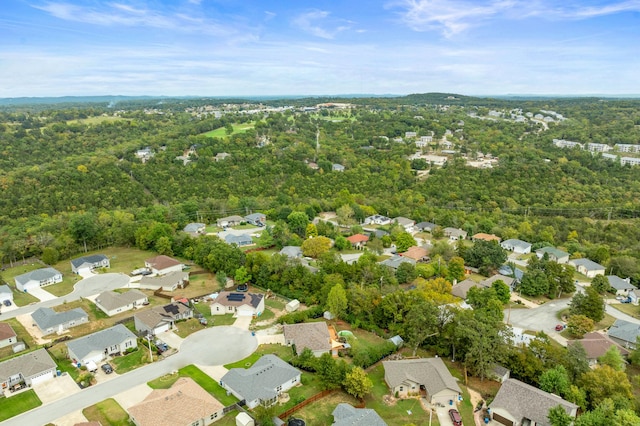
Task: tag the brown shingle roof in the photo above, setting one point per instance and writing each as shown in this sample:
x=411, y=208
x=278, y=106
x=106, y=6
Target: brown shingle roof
x=312, y=335
x=596, y=345
x=415, y=253
x=162, y=262
x=6, y=331
x=430, y=372
x=486, y=237
x=183, y=403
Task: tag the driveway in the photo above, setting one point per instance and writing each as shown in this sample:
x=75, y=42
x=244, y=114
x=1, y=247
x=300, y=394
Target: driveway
x=41, y=294
x=27, y=322
x=242, y=322
x=171, y=339
x=133, y=396
x=57, y=388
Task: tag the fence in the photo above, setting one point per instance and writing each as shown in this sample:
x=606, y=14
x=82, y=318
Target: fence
x=306, y=402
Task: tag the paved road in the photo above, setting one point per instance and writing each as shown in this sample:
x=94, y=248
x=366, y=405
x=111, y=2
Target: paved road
x=209, y=347
x=83, y=288
x=543, y=318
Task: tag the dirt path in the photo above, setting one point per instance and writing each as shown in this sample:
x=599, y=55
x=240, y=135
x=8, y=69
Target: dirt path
x=475, y=399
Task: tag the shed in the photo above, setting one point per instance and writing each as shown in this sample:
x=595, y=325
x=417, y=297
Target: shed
x=396, y=340
x=243, y=419
x=293, y=305
x=328, y=315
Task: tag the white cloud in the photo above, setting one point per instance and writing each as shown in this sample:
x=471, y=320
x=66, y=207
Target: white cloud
x=310, y=22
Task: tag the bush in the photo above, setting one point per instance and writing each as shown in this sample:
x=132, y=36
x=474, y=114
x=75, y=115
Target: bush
x=302, y=316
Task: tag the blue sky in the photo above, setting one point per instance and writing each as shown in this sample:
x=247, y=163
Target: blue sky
x=267, y=47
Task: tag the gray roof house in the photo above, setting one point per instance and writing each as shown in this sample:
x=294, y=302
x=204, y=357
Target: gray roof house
x=112, y=303
x=312, y=335
x=519, y=404
x=509, y=271
x=240, y=240
x=337, y=167
x=516, y=246
x=195, y=228
x=97, y=346
x=5, y=293
x=621, y=286
x=261, y=383
x=462, y=288
x=50, y=321
x=38, y=278
x=554, y=254
x=169, y=282
x=426, y=226
x=234, y=220
x=347, y=415
x=31, y=368
x=426, y=376
x=294, y=252
x=455, y=233
x=498, y=277
x=395, y=261
x=624, y=333
x=405, y=222
x=257, y=219
x=587, y=267
x=89, y=262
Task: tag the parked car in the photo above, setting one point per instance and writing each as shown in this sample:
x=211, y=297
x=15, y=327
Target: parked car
x=243, y=287
x=626, y=300
x=107, y=368
x=560, y=327
x=455, y=417
x=162, y=347
x=7, y=302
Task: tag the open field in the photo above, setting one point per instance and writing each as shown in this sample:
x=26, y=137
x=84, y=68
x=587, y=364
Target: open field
x=221, y=132
x=95, y=120
x=107, y=412
x=18, y=404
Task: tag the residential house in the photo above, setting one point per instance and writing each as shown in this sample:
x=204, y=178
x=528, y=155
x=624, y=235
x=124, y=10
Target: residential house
x=587, y=267
x=242, y=304
x=519, y=404
x=348, y=415
x=7, y=335
x=292, y=252
x=337, y=167
x=416, y=253
x=162, y=318
x=516, y=246
x=455, y=234
x=257, y=219
x=112, y=303
x=462, y=288
x=395, y=261
x=101, y=344
x=596, y=344
x=225, y=222
x=426, y=226
x=634, y=295
x=624, y=333
x=406, y=223
x=28, y=369
x=598, y=147
x=554, y=254
x=262, y=383
x=221, y=156
x=485, y=237
x=50, y=321
x=378, y=233
x=358, y=240
x=168, y=282
x=500, y=373
x=621, y=286
x=195, y=228
x=161, y=265
x=145, y=154
x=498, y=277
x=241, y=240
x=624, y=147
x=424, y=376
x=511, y=271
x=410, y=134
x=6, y=293
x=185, y=403
x=312, y=335
x=38, y=278
x=377, y=219
x=89, y=263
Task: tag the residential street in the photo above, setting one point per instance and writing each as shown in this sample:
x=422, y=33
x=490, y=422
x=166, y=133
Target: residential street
x=209, y=347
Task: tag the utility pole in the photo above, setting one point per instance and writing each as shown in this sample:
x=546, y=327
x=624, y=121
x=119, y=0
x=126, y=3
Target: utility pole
x=150, y=352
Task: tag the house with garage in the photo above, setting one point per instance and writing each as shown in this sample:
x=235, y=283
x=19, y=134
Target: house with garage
x=311, y=335
x=161, y=318
x=520, y=404
x=485, y=237
x=455, y=234
x=624, y=333
x=194, y=229
x=419, y=254
x=426, y=226
x=516, y=246
x=554, y=254
x=348, y=415
x=38, y=278
x=225, y=222
x=27, y=370
x=98, y=346
x=395, y=261
x=257, y=219
x=113, y=303
x=292, y=252
x=50, y=321
x=6, y=293
x=8, y=336
x=377, y=219
x=498, y=277
x=241, y=240
x=241, y=304
x=622, y=287
x=358, y=240
x=85, y=264
x=262, y=383
x=162, y=265
x=168, y=282
x=596, y=344
x=184, y=403
x=428, y=377
x=406, y=223
x=587, y=267
x=634, y=296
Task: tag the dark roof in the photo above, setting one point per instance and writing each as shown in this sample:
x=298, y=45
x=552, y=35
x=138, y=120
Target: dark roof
x=625, y=331
x=91, y=259
x=37, y=275
x=595, y=345
x=347, y=415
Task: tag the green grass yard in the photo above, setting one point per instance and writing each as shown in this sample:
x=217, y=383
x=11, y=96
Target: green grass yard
x=18, y=404
x=201, y=378
x=284, y=352
x=20, y=298
x=221, y=132
x=124, y=364
x=627, y=308
x=107, y=412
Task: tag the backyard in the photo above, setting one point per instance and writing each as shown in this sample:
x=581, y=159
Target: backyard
x=20, y=298
x=18, y=404
x=107, y=412
x=23, y=335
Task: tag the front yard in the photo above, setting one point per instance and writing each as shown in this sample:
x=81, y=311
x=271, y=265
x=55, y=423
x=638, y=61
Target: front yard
x=23, y=335
x=201, y=378
x=18, y=404
x=284, y=352
x=628, y=308
x=107, y=412
x=125, y=363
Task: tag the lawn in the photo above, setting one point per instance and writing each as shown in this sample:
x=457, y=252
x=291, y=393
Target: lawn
x=18, y=404
x=319, y=413
x=22, y=334
x=221, y=132
x=275, y=303
x=20, y=298
x=284, y=352
x=201, y=378
x=185, y=328
x=124, y=364
x=205, y=310
x=59, y=354
x=107, y=412
x=627, y=308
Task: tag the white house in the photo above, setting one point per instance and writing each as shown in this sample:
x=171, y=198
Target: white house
x=38, y=278
x=587, y=267
x=112, y=303
x=28, y=369
x=167, y=282
x=406, y=223
x=377, y=219
x=621, y=286
x=516, y=246
x=242, y=304
x=6, y=293
x=7, y=335
x=89, y=263
x=50, y=321
x=97, y=346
